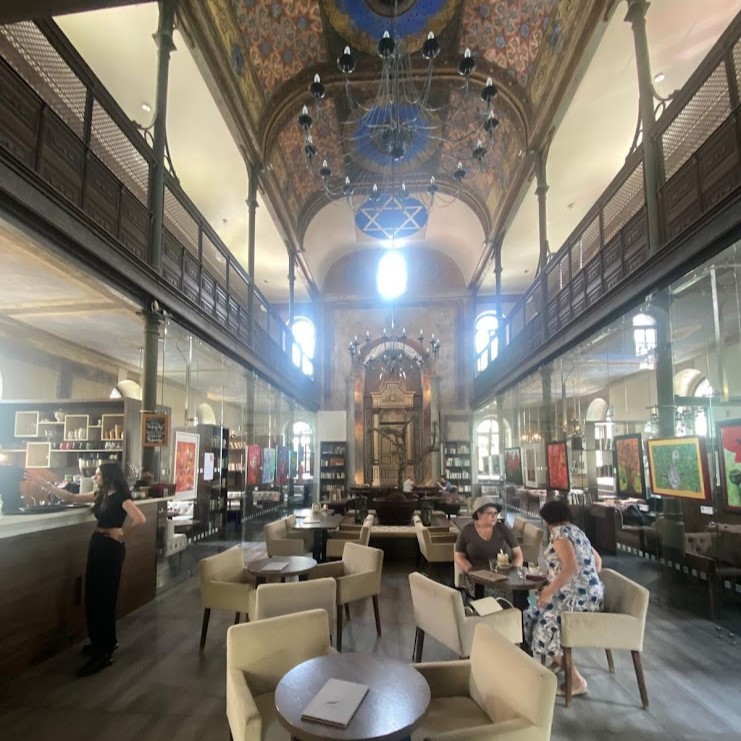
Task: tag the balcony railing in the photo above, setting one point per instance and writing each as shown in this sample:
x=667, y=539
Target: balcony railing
x=698, y=147
x=58, y=121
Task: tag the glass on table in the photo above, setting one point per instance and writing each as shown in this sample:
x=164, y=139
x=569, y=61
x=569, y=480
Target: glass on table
x=492, y=564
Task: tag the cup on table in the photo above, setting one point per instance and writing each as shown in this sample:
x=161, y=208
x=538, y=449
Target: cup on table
x=493, y=564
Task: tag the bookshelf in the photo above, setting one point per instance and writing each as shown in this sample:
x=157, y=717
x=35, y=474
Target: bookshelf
x=457, y=462
x=332, y=467
x=211, y=500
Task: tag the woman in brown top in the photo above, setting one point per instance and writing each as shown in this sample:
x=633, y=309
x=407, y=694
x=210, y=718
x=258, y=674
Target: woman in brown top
x=481, y=540
x=112, y=504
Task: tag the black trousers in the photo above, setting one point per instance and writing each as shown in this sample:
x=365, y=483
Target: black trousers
x=103, y=575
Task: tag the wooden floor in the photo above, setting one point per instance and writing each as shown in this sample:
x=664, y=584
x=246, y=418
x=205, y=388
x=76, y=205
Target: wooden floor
x=161, y=688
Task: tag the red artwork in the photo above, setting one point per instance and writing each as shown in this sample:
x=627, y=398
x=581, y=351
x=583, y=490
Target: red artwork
x=253, y=464
x=558, y=467
x=185, y=466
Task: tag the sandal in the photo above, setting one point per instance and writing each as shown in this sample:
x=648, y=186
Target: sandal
x=582, y=689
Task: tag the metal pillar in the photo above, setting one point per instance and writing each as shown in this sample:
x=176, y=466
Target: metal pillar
x=546, y=417
x=165, y=45
x=252, y=214
x=152, y=322
x=636, y=16
x=540, y=192
x=291, y=287
x=660, y=310
x=498, y=292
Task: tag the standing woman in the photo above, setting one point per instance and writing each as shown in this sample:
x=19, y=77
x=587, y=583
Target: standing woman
x=573, y=586
x=112, y=503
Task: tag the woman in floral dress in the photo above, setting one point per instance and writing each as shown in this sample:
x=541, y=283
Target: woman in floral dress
x=573, y=586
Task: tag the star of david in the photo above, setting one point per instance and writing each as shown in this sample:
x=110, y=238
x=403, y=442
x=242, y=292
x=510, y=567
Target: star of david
x=394, y=217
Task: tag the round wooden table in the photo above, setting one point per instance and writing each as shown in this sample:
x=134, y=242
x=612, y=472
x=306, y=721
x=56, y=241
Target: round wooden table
x=295, y=566
x=396, y=703
x=519, y=586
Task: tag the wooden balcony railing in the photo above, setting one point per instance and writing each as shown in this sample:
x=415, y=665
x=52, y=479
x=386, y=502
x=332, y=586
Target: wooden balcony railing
x=698, y=140
x=58, y=122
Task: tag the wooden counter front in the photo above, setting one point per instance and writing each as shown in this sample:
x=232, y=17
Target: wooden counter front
x=42, y=574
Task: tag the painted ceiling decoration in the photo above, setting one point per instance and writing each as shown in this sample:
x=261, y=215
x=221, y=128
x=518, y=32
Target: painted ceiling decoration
x=273, y=49
x=392, y=218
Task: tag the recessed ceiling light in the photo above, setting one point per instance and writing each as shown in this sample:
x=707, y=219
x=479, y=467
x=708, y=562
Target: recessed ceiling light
x=659, y=77
x=146, y=107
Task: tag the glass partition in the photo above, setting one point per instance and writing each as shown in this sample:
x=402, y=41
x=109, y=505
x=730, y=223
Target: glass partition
x=671, y=363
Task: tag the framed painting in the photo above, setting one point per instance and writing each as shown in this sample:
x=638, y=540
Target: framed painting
x=679, y=467
x=513, y=466
x=558, y=466
x=530, y=454
x=268, y=465
x=729, y=437
x=630, y=478
x=185, y=465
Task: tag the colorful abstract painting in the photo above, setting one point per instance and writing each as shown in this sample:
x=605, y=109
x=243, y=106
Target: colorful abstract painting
x=185, y=465
x=513, y=466
x=729, y=434
x=281, y=475
x=679, y=467
x=253, y=465
x=558, y=466
x=628, y=460
x=268, y=465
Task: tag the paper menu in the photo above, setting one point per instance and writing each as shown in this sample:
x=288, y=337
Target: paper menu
x=335, y=703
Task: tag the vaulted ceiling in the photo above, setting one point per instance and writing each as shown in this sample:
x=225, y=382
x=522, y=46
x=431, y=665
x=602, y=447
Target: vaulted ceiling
x=263, y=56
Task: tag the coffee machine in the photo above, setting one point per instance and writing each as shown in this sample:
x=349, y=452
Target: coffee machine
x=87, y=467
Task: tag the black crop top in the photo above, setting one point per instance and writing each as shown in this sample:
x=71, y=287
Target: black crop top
x=109, y=511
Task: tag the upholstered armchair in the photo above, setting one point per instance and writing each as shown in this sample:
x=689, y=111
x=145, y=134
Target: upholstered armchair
x=358, y=576
x=532, y=537
x=280, y=541
x=434, y=548
x=619, y=627
x=225, y=585
x=258, y=655
x=499, y=693
x=518, y=528
x=336, y=540
x=273, y=600
x=438, y=612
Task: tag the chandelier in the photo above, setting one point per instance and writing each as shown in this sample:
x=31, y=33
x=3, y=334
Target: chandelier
x=392, y=144
x=395, y=353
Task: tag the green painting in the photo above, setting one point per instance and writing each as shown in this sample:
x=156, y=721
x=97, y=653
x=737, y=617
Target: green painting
x=679, y=467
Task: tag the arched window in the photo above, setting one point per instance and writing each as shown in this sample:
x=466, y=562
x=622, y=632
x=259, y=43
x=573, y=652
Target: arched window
x=485, y=339
x=302, y=436
x=487, y=441
x=644, y=339
x=304, y=335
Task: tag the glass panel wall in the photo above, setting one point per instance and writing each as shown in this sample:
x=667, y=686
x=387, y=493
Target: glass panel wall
x=650, y=411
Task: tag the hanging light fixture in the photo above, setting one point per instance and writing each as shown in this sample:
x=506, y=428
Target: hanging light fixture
x=396, y=352
x=402, y=127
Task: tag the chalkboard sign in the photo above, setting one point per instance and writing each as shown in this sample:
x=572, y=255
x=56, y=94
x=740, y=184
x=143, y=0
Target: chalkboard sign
x=155, y=429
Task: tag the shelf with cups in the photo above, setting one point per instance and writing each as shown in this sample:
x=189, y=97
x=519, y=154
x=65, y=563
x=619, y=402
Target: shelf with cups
x=56, y=435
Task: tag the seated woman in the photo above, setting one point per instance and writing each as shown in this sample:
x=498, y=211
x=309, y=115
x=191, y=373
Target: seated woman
x=573, y=586
x=483, y=539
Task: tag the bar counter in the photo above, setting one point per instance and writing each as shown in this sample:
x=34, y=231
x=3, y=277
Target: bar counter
x=42, y=573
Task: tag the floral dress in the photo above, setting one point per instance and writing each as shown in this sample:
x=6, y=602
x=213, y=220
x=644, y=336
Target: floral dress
x=584, y=593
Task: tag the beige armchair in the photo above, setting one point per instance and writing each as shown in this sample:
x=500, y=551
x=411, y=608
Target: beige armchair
x=336, y=540
x=225, y=585
x=281, y=541
x=532, y=538
x=518, y=528
x=358, y=577
x=258, y=655
x=438, y=611
x=434, y=548
x=499, y=693
x=620, y=626
x=273, y=600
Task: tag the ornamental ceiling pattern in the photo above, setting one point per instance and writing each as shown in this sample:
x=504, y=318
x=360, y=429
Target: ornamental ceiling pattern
x=506, y=33
x=277, y=45
x=282, y=37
